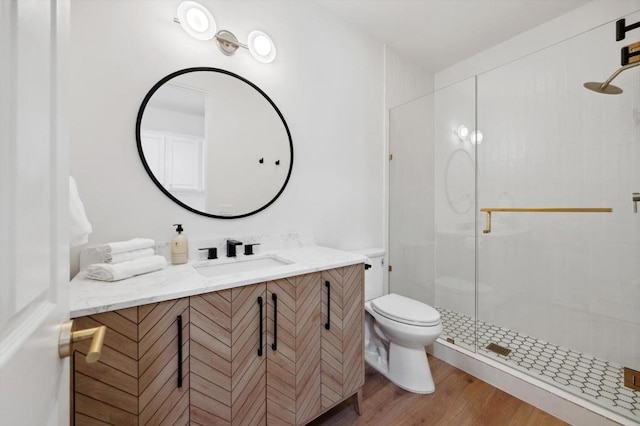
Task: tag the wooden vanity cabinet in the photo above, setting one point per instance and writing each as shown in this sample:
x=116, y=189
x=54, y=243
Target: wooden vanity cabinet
x=256, y=354
x=135, y=382
x=310, y=369
x=244, y=369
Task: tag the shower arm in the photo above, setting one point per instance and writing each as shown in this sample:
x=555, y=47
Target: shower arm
x=616, y=73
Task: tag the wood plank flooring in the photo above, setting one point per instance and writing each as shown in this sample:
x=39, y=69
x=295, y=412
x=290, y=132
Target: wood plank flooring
x=459, y=399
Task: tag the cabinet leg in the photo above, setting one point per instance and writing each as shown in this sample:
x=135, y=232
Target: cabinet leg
x=357, y=402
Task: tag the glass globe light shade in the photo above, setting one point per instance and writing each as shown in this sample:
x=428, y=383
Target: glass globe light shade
x=196, y=20
x=261, y=47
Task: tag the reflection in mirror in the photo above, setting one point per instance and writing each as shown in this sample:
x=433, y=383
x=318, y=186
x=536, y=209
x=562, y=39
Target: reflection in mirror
x=214, y=143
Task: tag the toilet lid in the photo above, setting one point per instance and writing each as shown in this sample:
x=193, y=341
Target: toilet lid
x=405, y=310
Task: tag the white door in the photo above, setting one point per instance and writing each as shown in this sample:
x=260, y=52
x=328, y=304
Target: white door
x=34, y=251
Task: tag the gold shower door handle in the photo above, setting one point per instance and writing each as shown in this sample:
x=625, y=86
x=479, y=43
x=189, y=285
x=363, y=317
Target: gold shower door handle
x=489, y=210
x=68, y=337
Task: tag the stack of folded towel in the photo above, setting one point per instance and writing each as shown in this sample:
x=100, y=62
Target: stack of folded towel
x=125, y=259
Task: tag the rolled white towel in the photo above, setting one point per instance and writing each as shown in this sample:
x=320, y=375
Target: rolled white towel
x=127, y=255
x=122, y=246
x=127, y=269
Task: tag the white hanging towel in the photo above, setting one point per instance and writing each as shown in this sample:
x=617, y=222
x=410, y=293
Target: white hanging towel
x=127, y=269
x=123, y=246
x=79, y=226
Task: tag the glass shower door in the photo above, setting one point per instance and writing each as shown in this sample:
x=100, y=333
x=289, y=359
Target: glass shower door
x=432, y=204
x=562, y=288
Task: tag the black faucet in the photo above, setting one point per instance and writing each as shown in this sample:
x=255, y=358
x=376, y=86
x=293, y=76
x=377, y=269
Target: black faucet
x=231, y=247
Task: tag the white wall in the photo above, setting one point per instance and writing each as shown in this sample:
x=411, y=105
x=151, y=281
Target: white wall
x=327, y=81
x=404, y=79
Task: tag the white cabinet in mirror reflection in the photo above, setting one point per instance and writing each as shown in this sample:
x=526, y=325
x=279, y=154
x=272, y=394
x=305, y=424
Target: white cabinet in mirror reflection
x=177, y=162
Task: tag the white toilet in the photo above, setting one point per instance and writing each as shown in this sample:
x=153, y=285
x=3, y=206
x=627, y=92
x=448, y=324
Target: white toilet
x=397, y=329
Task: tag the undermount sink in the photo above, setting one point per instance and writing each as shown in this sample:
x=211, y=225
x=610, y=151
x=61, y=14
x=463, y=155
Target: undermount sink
x=213, y=268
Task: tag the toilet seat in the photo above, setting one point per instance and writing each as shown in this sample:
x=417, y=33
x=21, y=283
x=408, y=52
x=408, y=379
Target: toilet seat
x=407, y=311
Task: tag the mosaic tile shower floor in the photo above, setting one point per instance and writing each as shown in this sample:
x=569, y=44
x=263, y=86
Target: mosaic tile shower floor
x=593, y=379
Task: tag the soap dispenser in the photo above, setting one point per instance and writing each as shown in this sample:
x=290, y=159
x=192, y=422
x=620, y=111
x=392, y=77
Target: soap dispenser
x=179, y=247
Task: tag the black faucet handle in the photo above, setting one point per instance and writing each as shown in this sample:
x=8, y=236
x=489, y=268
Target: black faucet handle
x=212, y=252
x=248, y=248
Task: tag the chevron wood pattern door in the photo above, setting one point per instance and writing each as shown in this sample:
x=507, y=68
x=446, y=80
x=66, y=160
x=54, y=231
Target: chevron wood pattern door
x=163, y=398
x=308, y=361
x=248, y=367
x=228, y=375
x=136, y=380
x=107, y=392
x=293, y=379
x=210, y=358
x=342, y=344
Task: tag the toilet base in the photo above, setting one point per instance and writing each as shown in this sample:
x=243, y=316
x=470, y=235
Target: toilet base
x=407, y=368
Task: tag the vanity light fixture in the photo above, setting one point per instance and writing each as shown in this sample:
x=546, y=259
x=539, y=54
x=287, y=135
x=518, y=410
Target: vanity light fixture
x=199, y=23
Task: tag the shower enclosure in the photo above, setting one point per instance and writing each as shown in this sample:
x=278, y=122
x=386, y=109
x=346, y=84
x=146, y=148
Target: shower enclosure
x=551, y=290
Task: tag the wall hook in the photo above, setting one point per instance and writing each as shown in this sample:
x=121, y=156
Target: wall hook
x=261, y=160
x=277, y=162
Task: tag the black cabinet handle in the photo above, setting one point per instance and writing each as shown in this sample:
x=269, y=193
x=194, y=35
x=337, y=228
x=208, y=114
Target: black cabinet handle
x=261, y=325
x=274, y=345
x=179, y=322
x=328, y=324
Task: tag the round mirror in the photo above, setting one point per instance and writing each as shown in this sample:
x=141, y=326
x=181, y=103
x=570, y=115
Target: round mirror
x=214, y=143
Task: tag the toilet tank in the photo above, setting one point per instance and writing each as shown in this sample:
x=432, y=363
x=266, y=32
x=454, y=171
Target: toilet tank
x=374, y=276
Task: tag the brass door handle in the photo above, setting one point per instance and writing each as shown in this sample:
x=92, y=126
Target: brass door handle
x=68, y=337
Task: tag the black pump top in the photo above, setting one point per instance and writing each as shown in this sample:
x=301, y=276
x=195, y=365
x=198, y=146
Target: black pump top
x=179, y=228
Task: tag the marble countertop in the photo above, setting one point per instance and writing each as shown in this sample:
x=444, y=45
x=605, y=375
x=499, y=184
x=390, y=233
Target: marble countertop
x=89, y=297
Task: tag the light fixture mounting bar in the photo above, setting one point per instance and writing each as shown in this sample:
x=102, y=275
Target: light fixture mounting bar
x=227, y=42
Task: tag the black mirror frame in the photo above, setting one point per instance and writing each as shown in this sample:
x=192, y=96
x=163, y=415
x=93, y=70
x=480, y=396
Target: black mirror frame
x=148, y=169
